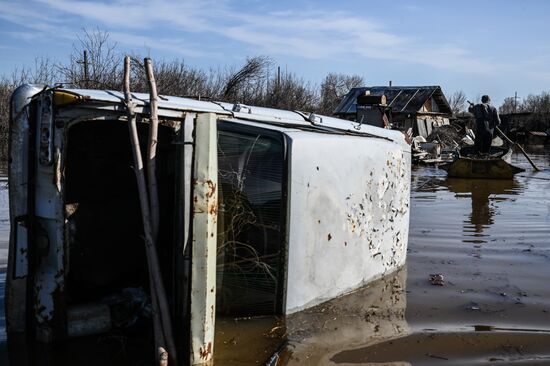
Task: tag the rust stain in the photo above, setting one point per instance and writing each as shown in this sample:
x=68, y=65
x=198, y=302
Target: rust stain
x=206, y=351
x=211, y=188
x=213, y=208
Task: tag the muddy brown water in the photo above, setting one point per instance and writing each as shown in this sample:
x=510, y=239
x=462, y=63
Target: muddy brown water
x=491, y=242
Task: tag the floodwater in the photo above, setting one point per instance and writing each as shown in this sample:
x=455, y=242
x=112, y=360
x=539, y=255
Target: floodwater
x=490, y=241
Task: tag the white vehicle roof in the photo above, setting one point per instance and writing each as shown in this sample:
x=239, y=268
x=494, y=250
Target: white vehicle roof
x=278, y=117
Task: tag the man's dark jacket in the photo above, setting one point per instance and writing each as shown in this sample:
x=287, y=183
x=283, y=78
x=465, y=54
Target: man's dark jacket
x=486, y=118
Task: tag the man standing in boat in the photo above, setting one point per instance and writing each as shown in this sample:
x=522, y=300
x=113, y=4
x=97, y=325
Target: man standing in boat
x=487, y=119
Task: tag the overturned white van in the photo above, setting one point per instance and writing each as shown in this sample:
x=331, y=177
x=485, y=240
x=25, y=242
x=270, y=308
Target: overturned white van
x=299, y=209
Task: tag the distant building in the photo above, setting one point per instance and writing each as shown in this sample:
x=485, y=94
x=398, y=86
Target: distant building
x=527, y=127
x=418, y=107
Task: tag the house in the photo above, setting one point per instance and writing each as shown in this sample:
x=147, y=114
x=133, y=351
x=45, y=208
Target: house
x=418, y=107
x=527, y=127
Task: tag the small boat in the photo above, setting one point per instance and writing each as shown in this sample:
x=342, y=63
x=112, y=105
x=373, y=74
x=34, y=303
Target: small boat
x=494, y=165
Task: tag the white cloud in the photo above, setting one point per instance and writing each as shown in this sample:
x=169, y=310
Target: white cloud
x=320, y=35
x=174, y=45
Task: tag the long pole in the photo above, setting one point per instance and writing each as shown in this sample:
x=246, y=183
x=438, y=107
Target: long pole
x=144, y=204
x=86, y=78
x=154, y=204
x=521, y=148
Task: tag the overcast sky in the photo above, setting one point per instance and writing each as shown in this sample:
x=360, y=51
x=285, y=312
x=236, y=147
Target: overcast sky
x=481, y=47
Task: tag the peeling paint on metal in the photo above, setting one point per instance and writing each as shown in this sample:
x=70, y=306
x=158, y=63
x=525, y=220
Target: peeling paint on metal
x=364, y=204
x=203, y=265
x=206, y=351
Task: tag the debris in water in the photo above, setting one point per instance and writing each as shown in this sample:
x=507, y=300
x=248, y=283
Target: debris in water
x=484, y=328
x=437, y=279
x=435, y=356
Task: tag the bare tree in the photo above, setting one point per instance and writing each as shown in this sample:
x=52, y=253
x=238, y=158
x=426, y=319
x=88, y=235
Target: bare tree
x=457, y=101
x=334, y=87
x=176, y=78
x=94, y=62
x=291, y=92
x=252, y=72
x=536, y=103
x=5, y=92
x=42, y=72
x=508, y=106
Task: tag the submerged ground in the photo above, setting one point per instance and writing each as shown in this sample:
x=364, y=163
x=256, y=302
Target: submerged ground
x=490, y=241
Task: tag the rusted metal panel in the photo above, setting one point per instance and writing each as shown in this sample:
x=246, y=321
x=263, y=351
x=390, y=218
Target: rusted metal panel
x=48, y=287
x=16, y=297
x=48, y=215
x=349, y=214
x=203, y=265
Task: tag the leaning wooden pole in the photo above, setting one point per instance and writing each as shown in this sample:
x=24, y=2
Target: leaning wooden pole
x=154, y=202
x=152, y=148
x=152, y=261
x=520, y=148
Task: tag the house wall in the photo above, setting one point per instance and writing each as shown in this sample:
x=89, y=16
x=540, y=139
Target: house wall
x=430, y=106
x=425, y=124
x=348, y=214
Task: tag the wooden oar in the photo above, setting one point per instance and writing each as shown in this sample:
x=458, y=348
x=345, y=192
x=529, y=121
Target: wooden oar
x=521, y=148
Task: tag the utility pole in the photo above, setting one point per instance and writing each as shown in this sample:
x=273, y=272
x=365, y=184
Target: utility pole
x=515, y=102
x=84, y=62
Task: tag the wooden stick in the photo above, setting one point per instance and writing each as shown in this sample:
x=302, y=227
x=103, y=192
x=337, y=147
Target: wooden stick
x=154, y=203
x=162, y=356
x=152, y=148
x=521, y=148
x=144, y=204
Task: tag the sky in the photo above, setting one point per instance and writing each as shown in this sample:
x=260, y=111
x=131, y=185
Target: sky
x=494, y=47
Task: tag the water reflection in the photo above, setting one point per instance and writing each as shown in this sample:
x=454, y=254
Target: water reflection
x=484, y=194
x=509, y=285
x=368, y=316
